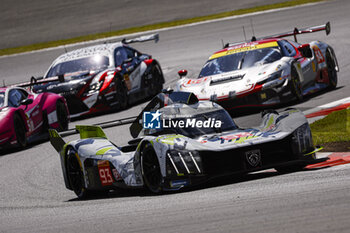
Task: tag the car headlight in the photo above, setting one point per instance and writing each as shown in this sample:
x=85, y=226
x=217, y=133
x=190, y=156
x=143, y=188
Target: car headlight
x=183, y=162
x=302, y=140
x=272, y=77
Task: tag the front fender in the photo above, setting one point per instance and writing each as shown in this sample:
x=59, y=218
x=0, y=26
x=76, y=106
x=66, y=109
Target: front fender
x=160, y=149
x=49, y=107
x=152, y=63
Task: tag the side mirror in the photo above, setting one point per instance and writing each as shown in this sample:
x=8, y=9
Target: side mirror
x=26, y=102
x=305, y=50
x=182, y=73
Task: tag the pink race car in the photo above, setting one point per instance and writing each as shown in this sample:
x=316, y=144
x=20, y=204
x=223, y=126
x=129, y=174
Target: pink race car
x=24, y=116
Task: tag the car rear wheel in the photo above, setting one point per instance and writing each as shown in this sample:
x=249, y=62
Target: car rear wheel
x=75, y=174
x=62, y=116
x=331, y=69
x=121, y=95
x=20, y=131
x=150, y=169
x=156, y=82
x=295, y=85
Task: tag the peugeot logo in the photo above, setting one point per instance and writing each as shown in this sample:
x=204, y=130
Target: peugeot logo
x=253, y=157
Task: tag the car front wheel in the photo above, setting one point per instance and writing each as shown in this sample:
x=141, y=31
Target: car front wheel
x=156, y=82
x=331, y=69
x=150, y=169
x=75, y=174
x=62, y=116
x=295, y=85
x=121, y=94
x=20, y=131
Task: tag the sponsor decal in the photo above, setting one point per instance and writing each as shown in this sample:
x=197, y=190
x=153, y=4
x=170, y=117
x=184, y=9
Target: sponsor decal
x=116, y=174
x=253, y=157
x=178, y=183
x=52, y=117
x=318, y=54
x=313, y=66
x=151, y=120
x=127, y=81
x=105, y=173
x=91, y=100
x=234, y=138
x=190, y=82
x=244, y=47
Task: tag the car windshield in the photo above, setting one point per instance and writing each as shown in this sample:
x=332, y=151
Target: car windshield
x=193, y=130
x=93, y=63
x=242, y=60
x=2, y=99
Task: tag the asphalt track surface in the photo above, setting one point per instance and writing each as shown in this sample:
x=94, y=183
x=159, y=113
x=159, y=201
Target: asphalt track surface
x=26, y=22
x=34, y=199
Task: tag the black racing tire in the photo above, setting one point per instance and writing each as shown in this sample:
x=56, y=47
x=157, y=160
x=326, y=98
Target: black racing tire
x=121, y=94
x=295, y=85
x=20, y=131
x=332, y=72
x=75, y=174
x=45, y=126
x=290, y=169
x=150, y=169
x=157, y=81
x=62, y=116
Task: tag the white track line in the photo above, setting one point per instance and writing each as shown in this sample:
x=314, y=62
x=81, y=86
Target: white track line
x=160, y=30
x=329, y=105
x=322, y=107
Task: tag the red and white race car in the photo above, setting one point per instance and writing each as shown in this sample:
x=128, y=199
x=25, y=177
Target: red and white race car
x=102, y=77
x=24, y=115
x=265, y=71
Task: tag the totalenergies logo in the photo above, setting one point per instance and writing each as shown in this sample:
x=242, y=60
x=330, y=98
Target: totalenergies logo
x=190, y=82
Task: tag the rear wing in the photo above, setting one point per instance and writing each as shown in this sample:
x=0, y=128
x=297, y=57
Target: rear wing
x=154, y=37
x=35, y=81
x=85, y=131
x=325, y=27
x=56, y=140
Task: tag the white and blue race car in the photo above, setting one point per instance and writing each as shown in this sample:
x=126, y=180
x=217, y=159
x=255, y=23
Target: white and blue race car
x=184, y=142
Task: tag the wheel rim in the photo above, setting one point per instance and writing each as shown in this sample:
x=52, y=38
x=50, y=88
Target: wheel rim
x=75, y=174
x=296, y=87
x=151, y=170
